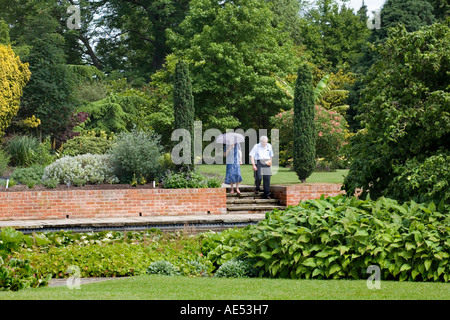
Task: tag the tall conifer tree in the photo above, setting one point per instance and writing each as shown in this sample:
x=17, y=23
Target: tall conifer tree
x=184, y=102
x=304, y=131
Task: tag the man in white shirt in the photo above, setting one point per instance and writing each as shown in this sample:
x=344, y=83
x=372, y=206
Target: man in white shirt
x=261, y=159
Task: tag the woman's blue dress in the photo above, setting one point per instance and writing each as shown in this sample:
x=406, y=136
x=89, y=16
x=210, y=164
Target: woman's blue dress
x=233, y=172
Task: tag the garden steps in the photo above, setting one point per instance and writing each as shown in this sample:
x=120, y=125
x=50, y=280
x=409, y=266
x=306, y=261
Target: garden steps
x=250, y=203
x=249, y=200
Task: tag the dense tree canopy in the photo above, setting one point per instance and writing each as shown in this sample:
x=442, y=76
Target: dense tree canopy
x=405, y=107
x=234, y=50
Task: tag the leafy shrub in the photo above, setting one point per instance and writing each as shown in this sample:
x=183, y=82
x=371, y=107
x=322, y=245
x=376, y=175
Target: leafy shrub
x=136, y=153
x=86, y=144
x=408, y=122
x=190, y=179
x=163, y=268
x=86, y=168
x=4, y=160
x=236, y=269
x=423, y=180
x=43, y=156
x=10, y=240
x=18, y=274
x=341, y=237
x=223, y=246
x=30, y=176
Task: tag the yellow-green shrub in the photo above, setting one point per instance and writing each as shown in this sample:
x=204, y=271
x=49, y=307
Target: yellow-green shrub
x=13, y=76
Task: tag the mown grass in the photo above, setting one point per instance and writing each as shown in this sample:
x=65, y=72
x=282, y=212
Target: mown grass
x=282, y=176
x=150, y=287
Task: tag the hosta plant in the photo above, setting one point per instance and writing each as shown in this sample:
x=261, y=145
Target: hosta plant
x=341, y=237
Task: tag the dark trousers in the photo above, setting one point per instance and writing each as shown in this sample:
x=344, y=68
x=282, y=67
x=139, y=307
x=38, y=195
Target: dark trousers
x=263, y=173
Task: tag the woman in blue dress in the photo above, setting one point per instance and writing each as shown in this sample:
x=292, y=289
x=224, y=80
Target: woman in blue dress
x=233, y=156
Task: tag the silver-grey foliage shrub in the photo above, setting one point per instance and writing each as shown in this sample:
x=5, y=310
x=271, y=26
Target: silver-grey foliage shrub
x=90, y=168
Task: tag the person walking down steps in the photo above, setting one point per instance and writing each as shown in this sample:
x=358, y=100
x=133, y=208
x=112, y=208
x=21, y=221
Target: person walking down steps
x=261, y=159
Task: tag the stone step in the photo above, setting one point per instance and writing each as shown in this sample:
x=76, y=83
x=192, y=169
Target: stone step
x=243, y=188
x=244, y=194
x=251, y=201
x=253, y=207
x=254, y=212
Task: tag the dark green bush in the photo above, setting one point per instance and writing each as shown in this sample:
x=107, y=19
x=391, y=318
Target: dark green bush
x=423, y=179
x=136, y=153
x=304, y=152
x=190, y=179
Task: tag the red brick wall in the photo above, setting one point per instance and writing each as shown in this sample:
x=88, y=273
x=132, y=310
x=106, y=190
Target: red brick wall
x=111, y=203
x=293, y=194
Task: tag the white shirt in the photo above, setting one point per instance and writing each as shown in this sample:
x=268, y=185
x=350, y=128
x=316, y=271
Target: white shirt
x=259, y=152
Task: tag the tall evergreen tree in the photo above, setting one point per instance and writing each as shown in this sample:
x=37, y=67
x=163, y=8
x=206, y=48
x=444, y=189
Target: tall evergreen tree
x=49, y=94
x=304, y=130
x=183, y=102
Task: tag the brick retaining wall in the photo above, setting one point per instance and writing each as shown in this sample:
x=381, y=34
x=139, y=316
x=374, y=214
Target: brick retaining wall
x=111, y=203
x=293, y=194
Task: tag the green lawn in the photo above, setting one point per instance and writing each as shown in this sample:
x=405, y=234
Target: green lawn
x=283, y=176
x=184, y=288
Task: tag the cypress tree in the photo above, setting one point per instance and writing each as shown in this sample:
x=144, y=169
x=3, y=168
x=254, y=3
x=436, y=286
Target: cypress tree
x=304, y=131
x=184, y=102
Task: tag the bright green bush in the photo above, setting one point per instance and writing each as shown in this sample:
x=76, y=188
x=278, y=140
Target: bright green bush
x=190, y=179
x=82, y=169
x=136, y=153
x=30, y=176
x=86, y=144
